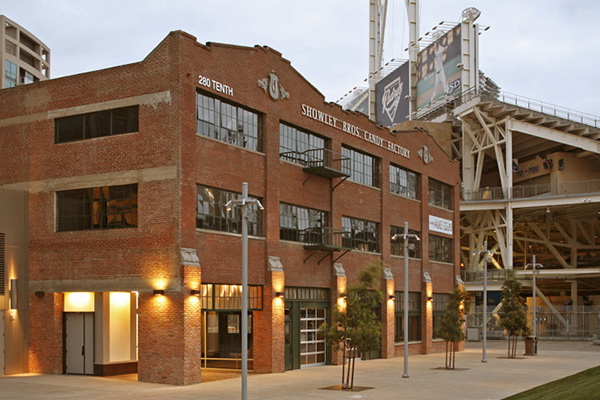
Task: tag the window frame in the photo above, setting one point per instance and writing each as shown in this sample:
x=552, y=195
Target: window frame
x=437, y=246
x=91, y=208
x=358, y=168
x=397, y=246
x=441, y=194
x=97, y=124
x=351, y=231
x=298, y=232
x=298, y=140
x=406, y=190
x=229, y=220
x=233, y=124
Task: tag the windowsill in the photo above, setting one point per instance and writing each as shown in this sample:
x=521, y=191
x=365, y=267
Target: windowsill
x=363, y=184
x=97, y=138
x=405, y=197
x=409, y=342
x=441, y=262
x=410, y=258
x=239, y=235
x=229, y=144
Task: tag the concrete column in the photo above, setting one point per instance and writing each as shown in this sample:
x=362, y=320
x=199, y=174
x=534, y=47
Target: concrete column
x=427, y=307
x=338, y=302
x=388, y=348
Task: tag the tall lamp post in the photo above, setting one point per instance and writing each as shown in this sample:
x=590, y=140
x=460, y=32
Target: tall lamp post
x=244, y=203
x=405, y=238
x=534, y=300
x=486, y=253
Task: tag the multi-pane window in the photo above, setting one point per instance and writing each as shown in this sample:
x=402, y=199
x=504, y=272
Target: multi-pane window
x=439, y=307
x=362, y=168
x=97, y=208
x=404, y=182
x=228, y=123
x=96, y=124
x=397, y=246
x=440, y=249
x=229, y=297
x=10, y=74
x=295, y=145
x=441, y=194
x=212, y=212
x=414, y=316
x=360, y=234
x=301, y=224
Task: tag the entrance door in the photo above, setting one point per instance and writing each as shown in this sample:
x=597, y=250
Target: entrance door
x=288, y=331
x=79, y=343
x=312, y=343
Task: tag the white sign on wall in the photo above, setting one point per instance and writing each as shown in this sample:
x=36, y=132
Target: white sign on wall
x=441, y=225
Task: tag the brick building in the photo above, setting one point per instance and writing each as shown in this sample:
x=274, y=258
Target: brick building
x=133, y=256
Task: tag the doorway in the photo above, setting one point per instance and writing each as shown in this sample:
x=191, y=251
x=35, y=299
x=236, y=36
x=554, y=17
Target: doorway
x=79, y=343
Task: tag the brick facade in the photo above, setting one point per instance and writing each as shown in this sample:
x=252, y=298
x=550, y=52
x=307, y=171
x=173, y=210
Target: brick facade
x=167, y=160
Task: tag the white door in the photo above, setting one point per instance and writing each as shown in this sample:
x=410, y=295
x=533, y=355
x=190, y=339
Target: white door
x=79, y=343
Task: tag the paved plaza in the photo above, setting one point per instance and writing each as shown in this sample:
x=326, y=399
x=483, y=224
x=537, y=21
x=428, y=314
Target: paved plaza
x=498, y=378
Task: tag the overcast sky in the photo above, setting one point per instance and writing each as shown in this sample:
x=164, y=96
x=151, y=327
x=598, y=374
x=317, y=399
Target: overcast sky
x=542, y=49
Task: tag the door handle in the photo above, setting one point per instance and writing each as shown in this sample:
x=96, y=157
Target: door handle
x=83, y=350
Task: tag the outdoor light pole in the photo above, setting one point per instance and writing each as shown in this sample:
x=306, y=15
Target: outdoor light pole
x=244, y=203
x=485, y=253
x=405, y=237
x=534, y=299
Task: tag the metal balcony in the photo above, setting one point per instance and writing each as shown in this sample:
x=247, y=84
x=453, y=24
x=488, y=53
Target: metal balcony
x=328, y=240
x=321, y=162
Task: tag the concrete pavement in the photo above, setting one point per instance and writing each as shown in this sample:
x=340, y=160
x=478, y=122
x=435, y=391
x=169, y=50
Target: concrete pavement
x=498, y=378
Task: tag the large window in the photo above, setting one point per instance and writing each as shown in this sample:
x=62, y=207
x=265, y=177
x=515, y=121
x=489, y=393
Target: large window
x=293, y=143
x=301, y=224
x=228, y=123
x=360, y=234
x=362, y=168
x=96, y=124
x=397, y=246
x=10, y=74
x=97, y=208
x=439, y=307
x=212, y=213
x=404, y=182
x=441, y=194
x=414, y=316
x=440, y=249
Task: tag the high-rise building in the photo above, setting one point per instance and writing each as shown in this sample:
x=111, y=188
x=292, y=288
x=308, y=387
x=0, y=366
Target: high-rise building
x=24, y=58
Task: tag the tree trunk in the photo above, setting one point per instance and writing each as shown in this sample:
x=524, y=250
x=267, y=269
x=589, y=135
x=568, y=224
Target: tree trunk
x=353, y=364
x=453, y=354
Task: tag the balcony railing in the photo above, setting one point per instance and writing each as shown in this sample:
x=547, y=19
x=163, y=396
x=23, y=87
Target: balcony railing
x=527, y=191
x=324, y=239
x=322, y=162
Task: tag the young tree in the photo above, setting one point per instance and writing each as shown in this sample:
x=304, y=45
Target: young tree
x=512, y=316
x=451, y=326
x=356, y=327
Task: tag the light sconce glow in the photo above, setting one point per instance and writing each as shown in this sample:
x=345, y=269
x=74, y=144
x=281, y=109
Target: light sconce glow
x=79, y=302
x=13, y=294
x=430, y=298
x=391, y=297
x=279, y=295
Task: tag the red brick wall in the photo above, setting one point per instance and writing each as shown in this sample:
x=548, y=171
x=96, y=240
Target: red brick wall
x=167, y=208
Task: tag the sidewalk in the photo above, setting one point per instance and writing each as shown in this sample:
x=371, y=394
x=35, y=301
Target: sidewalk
x=498, y=378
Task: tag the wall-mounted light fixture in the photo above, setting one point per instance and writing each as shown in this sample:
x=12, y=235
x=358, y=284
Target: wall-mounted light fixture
x=13, y=294
x=279, y=294
x=159, y=292
x=391, y=297
x=430, y=298
x=40, y=294
x=195, y=292
x=343, y=296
